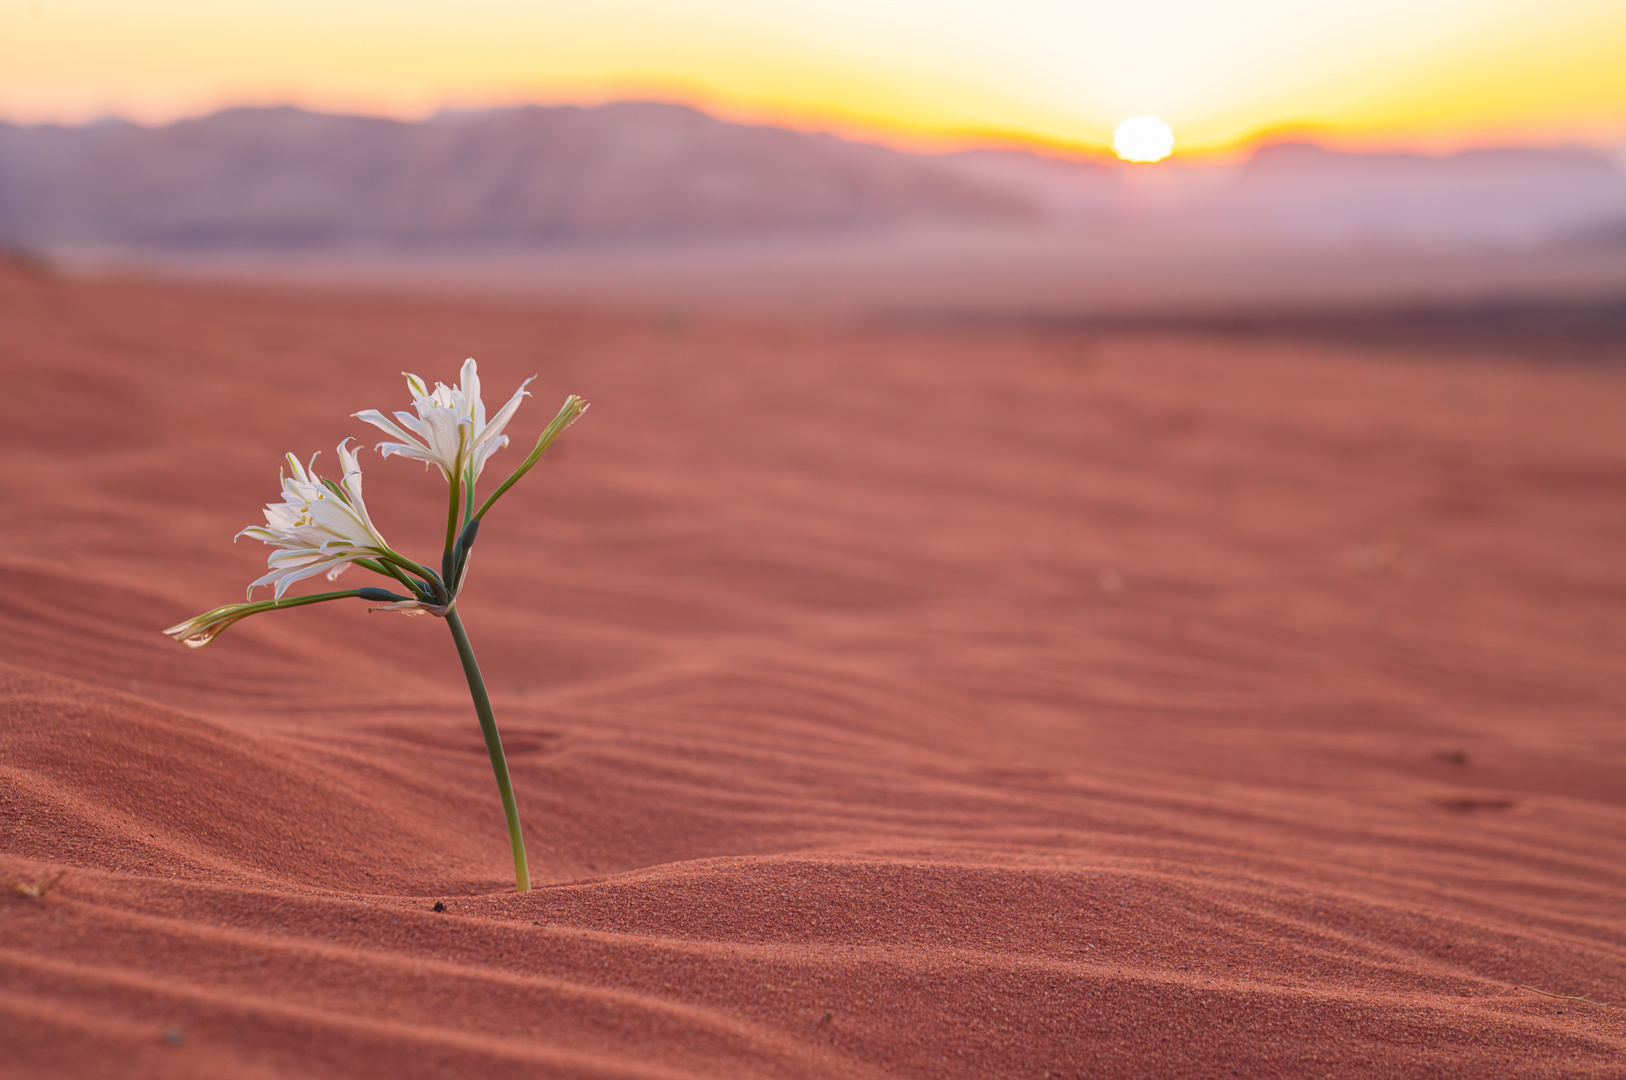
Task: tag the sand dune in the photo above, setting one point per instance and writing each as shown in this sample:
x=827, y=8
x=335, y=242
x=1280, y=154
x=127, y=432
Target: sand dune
x=880, y=702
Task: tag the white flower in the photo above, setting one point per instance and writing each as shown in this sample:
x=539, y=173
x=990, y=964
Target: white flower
x=317, y=528
x=450, y=430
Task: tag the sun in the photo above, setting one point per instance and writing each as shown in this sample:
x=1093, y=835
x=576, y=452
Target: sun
x=1143, y=138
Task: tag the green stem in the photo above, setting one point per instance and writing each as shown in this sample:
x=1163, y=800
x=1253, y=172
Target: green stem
x=454, y=503
x=389, y=569
x=312, y=598
x=499, y=763
x=455, y=483
x=211, y=624
x=431, y=579
x=573, y=408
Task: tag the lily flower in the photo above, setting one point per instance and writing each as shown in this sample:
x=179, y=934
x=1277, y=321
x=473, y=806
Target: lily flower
x=319, y=525
x=450, y=431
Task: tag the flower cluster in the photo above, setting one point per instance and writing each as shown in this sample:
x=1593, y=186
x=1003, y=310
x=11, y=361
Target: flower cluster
x=321, y=526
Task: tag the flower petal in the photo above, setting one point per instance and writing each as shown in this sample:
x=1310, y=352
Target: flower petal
x=490, y=431
x=469, y=384
x=384, y=424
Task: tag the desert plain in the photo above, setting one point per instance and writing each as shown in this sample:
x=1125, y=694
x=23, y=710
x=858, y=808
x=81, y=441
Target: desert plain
x=883, y=700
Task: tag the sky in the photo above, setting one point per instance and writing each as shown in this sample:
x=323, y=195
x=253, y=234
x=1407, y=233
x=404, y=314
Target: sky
x=1418, y=74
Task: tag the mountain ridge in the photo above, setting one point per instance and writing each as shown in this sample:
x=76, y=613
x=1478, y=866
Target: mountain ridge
x=283, y=177
x=527, y=177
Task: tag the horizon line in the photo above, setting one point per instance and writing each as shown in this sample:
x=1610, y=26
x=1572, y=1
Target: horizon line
x=916, y=141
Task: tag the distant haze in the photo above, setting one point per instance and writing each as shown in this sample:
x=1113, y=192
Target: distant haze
x=282, y=179
x=664, y=205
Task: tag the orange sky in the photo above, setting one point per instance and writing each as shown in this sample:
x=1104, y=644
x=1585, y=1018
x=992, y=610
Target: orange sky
x=1424, y=73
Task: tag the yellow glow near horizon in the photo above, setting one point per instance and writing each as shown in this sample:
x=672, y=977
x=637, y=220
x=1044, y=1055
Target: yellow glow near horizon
x=1431, y=73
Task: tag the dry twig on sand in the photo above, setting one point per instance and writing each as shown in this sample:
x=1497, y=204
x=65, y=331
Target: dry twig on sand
x=1587, y=997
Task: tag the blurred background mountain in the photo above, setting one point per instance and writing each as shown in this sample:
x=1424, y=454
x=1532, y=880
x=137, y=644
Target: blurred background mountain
x=284, y=178
x=678, y=203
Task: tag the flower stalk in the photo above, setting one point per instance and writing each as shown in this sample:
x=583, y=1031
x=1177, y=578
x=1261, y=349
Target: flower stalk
x=499, y=761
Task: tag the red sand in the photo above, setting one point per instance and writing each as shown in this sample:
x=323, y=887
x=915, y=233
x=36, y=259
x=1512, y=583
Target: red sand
x=880, y=703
